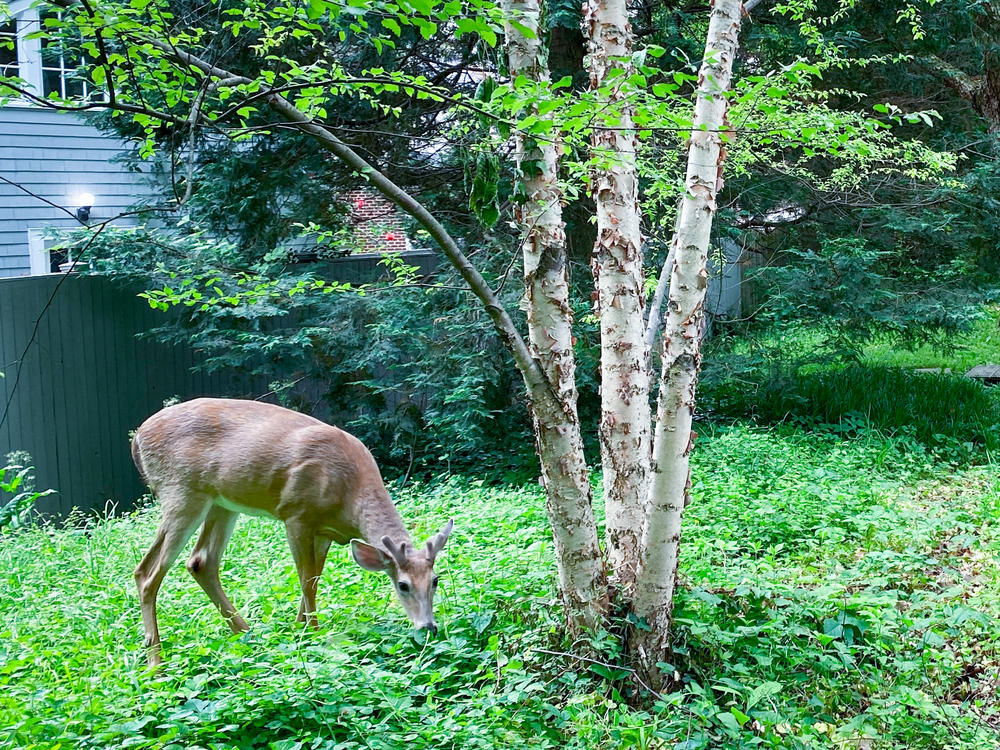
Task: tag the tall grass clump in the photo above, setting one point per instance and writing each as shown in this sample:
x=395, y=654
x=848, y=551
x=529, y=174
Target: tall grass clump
x=940, y=410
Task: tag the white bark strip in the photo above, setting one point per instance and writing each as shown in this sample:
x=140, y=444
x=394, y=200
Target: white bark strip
x=550, y=337
x=681, y=350
x=617, y=265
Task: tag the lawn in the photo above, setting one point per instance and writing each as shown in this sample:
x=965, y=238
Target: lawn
x=979, y=346
x=839, y=590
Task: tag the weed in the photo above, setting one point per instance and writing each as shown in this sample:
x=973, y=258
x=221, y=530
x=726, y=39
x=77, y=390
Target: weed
x=837, y=591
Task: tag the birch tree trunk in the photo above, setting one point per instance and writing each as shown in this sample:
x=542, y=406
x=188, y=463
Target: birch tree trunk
x=681, y=347
x=617, y=266
x=559, y=443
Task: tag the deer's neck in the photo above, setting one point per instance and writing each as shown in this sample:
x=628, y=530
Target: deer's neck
x=377, y=517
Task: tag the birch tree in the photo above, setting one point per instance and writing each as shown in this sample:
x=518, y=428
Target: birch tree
x=565, y=473
x=680, y=351
x=644, y=502
x=624, y=429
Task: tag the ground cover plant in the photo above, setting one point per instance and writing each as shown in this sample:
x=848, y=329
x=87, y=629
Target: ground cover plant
x=835, y=591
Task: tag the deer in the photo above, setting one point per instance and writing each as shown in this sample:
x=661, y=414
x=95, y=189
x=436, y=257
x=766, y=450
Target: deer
x=210, y=459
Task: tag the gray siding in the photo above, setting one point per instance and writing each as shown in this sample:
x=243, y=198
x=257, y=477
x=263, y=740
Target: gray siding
x=56, y=156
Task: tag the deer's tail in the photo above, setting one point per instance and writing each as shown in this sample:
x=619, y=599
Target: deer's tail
x=137, y=459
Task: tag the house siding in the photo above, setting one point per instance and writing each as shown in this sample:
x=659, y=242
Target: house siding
x=56, y=156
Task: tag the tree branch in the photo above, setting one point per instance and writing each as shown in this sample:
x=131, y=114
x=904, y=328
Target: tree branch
x=535, y=380
x=966, y=86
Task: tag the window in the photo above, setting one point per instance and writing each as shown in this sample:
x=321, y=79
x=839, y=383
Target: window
x=44, y=254
x=49, y=67
x=61, y=62
x=8, y=49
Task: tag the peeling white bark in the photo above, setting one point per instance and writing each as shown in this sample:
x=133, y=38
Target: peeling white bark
x=617, y=266
x=565, y=473
x=681, y=347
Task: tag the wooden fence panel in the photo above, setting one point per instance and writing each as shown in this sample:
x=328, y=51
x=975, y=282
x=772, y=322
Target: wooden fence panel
x=87, y=379
x=84, y=382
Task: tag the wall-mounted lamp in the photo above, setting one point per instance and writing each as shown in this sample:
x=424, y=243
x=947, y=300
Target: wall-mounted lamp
x=85, y=202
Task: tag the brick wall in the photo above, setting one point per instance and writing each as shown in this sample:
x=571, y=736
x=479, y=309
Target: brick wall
x=377, y=223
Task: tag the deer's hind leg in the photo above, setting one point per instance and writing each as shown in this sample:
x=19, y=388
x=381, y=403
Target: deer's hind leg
x=181, y=514
x=206, y=559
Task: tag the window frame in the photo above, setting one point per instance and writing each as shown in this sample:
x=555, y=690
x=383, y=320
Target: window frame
x=29, y=57
x=4, y=21
x=40, y=253
x=29, y=51
x=66, y=74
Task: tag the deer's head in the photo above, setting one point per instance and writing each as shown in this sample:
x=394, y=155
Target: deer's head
x=411, y=571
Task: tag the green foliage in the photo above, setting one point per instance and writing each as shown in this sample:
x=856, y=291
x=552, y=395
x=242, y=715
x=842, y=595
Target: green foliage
x=855, y=293
x=833, y=589
x=414, y=370
x=17, y=491
x=929, y=245
x=954, y=415
x=825, y=601
x=978, y=346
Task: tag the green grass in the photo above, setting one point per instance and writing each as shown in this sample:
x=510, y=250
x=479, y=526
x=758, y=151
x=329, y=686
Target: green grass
x=948, y=412
x=791, y=341
x=786, y=374
x=979, y=346
x=832, y=589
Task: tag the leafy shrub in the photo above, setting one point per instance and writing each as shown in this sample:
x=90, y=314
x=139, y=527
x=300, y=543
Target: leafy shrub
x=855, y=292
x=416, y=372
x=17, y=490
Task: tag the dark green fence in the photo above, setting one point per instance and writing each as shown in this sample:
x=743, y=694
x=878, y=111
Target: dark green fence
x=87, y=379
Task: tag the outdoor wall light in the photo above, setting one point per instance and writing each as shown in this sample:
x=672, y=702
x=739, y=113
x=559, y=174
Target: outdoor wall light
x=85, y=202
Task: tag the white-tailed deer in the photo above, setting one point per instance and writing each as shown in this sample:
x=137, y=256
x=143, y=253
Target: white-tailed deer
x=209, y=460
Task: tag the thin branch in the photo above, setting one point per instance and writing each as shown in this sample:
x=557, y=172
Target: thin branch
x=88, y=106
x=653, y=320
x=632, y=673
x=192, y=132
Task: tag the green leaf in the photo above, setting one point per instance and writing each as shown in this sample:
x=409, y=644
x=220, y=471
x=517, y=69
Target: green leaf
x=730, y=722
x=762, y=691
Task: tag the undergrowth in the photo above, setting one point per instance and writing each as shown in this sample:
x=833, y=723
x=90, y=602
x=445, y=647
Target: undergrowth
x=836, y=592
x=955, y=416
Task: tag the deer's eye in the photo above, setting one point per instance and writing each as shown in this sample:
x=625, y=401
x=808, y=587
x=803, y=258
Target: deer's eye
x=404, y=587
x=434, y=582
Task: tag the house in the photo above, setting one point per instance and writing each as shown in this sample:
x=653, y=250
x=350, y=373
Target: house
x=375, y=222
x=56, y=169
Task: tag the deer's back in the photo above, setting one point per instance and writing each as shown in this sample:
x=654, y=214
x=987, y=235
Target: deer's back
x=260, y=456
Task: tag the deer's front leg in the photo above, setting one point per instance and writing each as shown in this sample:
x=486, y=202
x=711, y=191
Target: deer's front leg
x=302, y=540
x=321, y=547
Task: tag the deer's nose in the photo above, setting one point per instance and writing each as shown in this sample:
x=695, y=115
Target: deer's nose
x=432, y=627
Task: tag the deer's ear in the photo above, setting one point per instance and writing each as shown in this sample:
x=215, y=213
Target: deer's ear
x=369, y=557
